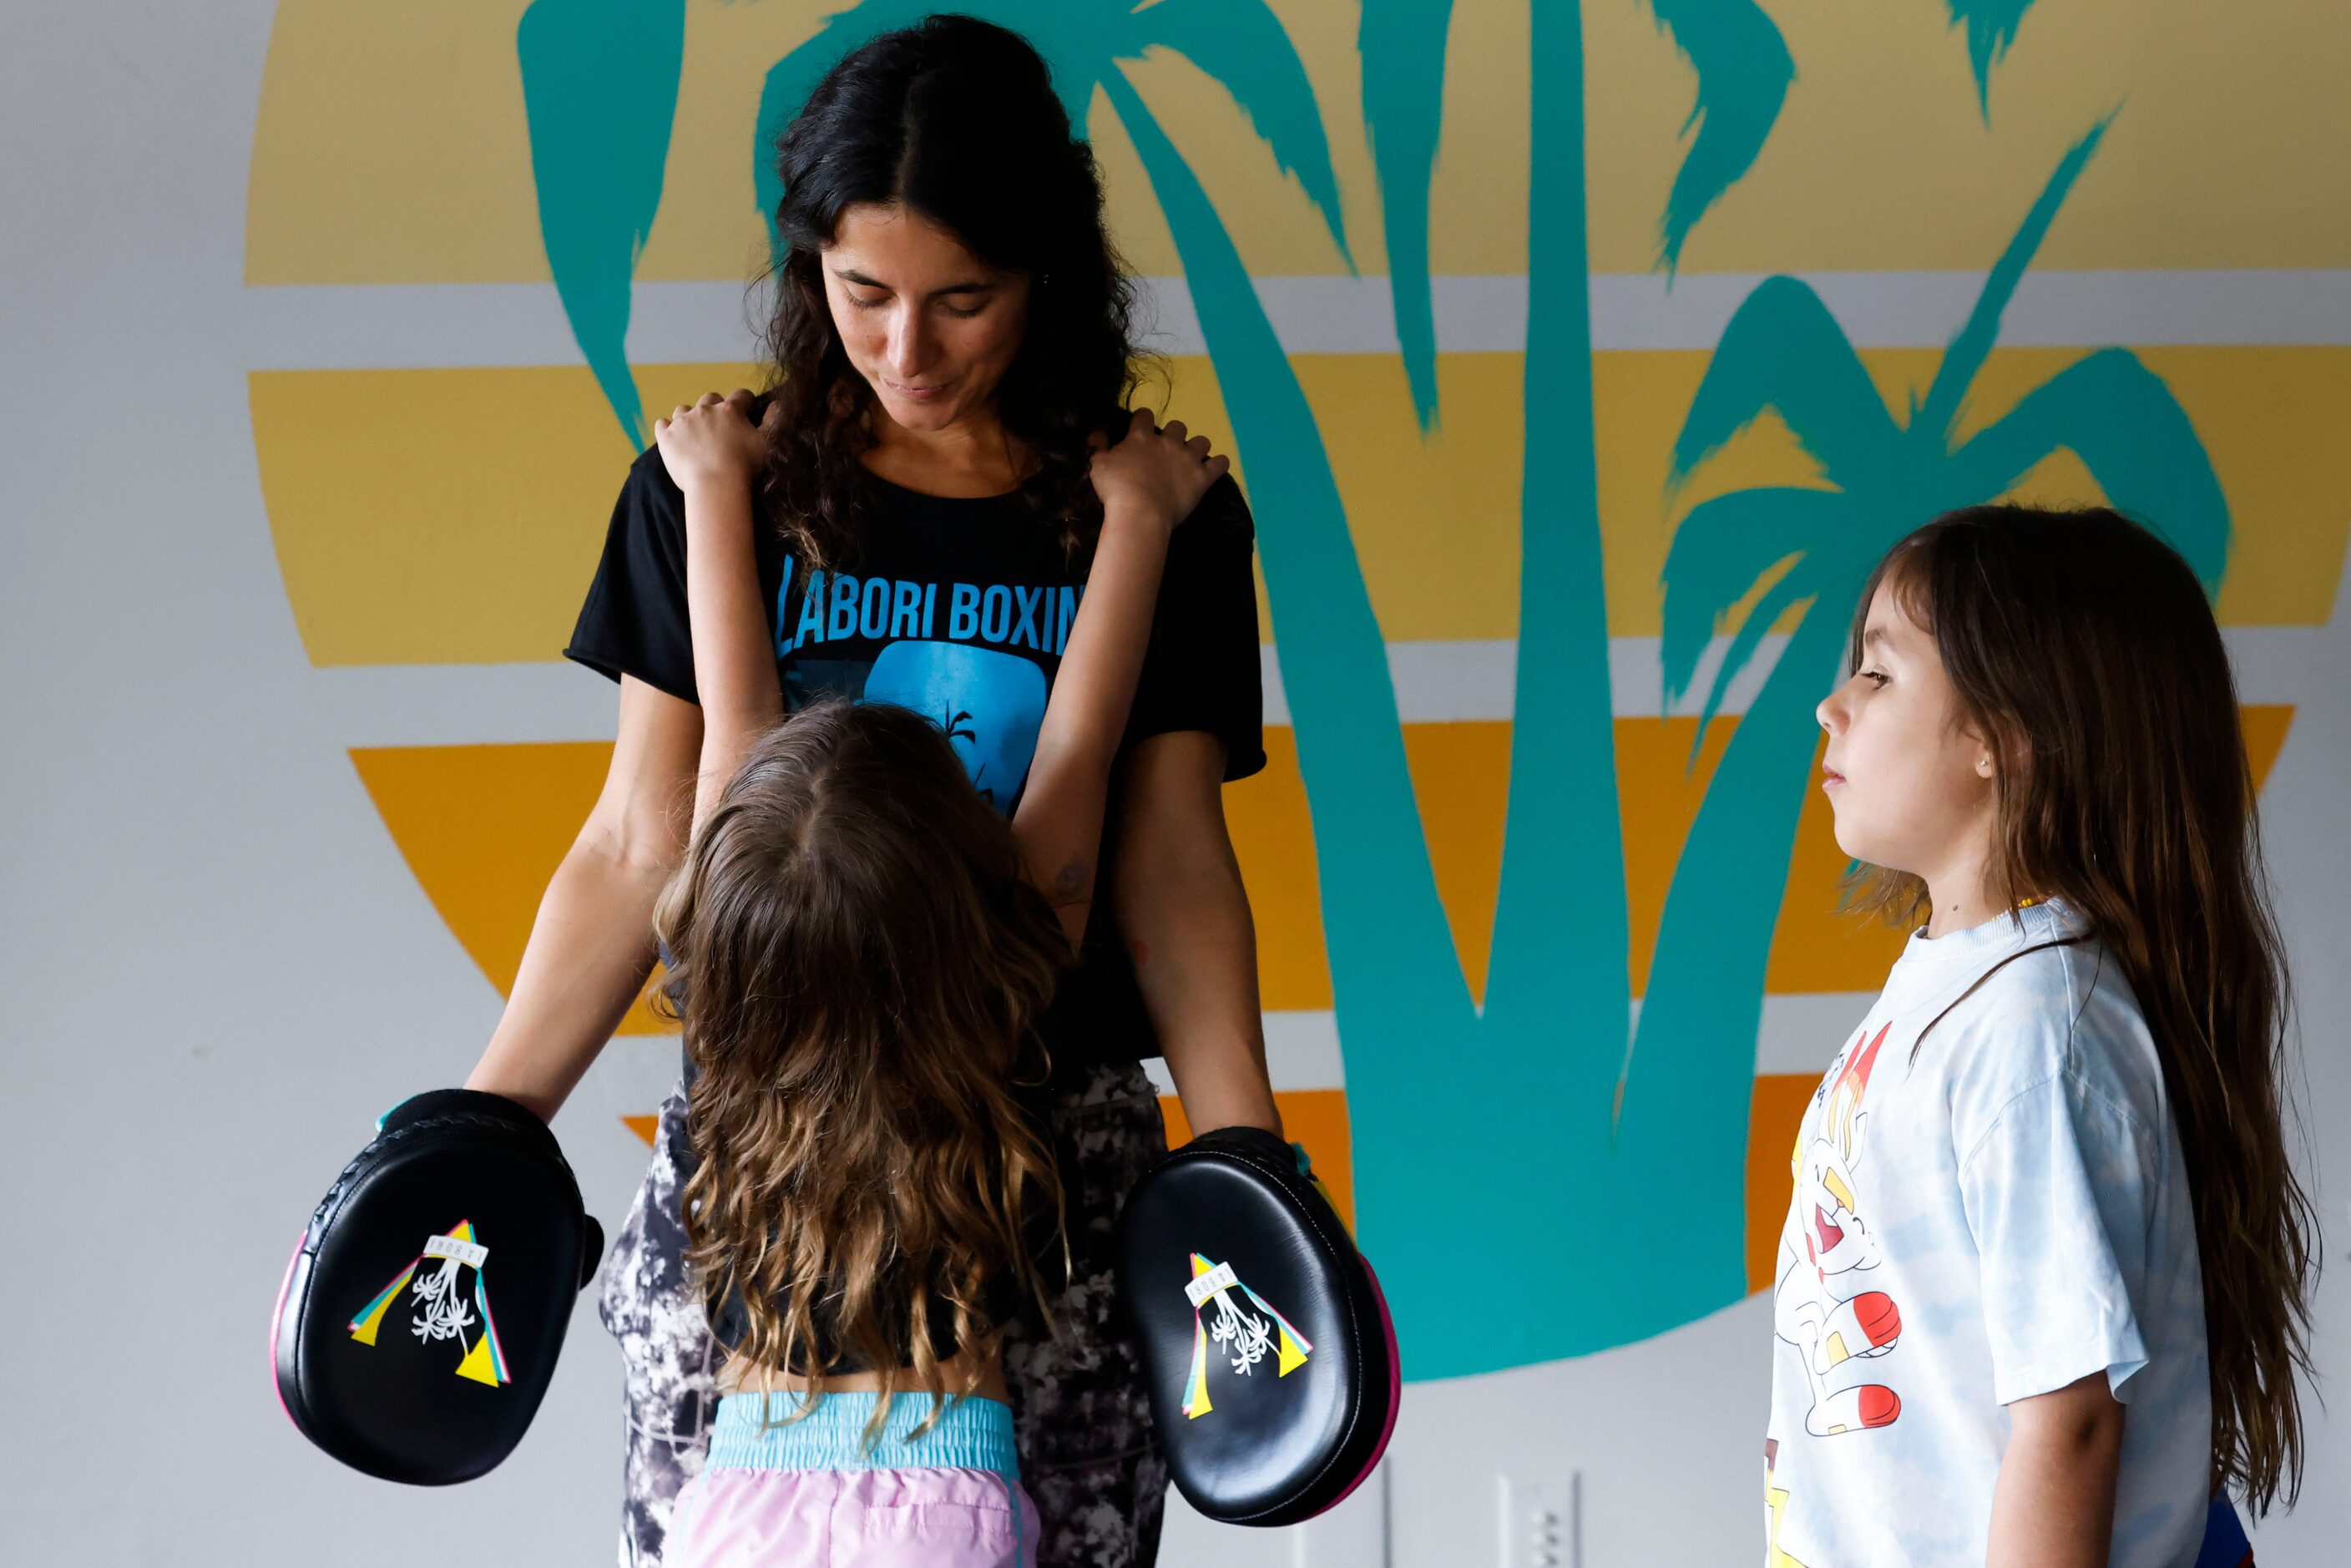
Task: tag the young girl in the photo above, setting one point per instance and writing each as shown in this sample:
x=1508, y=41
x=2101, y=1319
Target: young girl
x=2041, y=1286
x=862, y=952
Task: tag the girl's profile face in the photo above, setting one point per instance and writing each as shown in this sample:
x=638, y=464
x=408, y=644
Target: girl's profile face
x=1911, y=782
x=930, y=326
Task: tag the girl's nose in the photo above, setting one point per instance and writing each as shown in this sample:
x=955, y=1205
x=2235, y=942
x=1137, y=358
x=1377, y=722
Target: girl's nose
x=1830, y=712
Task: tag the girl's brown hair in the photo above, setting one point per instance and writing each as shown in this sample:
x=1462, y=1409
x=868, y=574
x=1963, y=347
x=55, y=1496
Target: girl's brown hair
x=861, y=962
x=2082, y=648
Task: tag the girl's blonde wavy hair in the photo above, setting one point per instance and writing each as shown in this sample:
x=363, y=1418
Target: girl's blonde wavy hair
x=2080, y=647
x=859, y=962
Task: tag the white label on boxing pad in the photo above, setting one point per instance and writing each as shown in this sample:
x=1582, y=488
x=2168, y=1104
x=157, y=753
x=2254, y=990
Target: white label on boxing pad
x=469, y=1253
x=1220, y=1278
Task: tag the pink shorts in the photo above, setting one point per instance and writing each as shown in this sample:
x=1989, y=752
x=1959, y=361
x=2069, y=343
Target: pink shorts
x=811, y=1495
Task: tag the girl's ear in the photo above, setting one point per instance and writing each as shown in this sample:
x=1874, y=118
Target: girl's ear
x=1997, y=757
x=2013, y=758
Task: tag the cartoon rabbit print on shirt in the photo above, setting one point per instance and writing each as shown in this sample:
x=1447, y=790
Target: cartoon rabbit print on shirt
x=1823, y=1305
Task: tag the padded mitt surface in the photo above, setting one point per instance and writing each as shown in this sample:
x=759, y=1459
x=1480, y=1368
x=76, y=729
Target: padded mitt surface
x=1272, y=1368
x=421, y=1315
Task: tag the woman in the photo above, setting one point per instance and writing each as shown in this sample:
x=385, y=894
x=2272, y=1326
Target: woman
x=951, y=344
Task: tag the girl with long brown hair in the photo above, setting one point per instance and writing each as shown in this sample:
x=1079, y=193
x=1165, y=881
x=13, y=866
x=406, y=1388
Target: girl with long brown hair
x=860, y=965
x=2041, y=1288
x=862, y=949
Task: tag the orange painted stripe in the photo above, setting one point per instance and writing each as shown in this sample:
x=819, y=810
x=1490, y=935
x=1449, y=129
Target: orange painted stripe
x=484, y=827
x=2266, y=729
x=1461, y=774
x=1314, y=1117
x=1774, y=1118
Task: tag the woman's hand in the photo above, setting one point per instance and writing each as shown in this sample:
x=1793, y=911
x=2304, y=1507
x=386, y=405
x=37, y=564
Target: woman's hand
x=1156, y=473
x=712, y=443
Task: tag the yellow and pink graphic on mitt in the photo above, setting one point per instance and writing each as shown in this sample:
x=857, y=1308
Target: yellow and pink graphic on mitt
x=1242, y=1337
x=441, y=1310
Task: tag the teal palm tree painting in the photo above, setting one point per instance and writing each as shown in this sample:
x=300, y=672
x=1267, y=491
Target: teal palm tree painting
x=1546, y=1128
x=1743, y=72
x=1990, y=26
x=1401, y=45
x=600, y=89
x=1807, y=551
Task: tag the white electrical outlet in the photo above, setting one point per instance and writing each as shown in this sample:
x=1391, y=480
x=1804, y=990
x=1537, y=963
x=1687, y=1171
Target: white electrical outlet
x=1542, y=1520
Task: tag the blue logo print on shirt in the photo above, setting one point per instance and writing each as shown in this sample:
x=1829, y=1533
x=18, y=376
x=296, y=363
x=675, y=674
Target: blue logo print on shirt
x=991, y=704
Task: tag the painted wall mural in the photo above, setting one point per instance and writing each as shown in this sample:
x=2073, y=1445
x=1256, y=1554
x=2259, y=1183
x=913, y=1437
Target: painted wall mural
x=1534, y=329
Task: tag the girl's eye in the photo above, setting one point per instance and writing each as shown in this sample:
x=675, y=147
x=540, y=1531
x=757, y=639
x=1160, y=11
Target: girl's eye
x=863, y=302
x=962, y=314
x=1875, y=677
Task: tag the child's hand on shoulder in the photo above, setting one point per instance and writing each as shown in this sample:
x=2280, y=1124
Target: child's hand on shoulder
x=1153, y=472
x=712, y=443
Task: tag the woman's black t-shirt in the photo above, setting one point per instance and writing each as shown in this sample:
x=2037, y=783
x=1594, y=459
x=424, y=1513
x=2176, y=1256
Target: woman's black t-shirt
x=959, y=610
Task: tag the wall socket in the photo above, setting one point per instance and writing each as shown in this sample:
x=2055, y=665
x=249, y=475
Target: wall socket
x=1543, y=1520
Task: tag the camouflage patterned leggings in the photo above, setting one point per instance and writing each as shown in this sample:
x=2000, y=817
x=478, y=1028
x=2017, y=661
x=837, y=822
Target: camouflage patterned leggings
x=1087, y=1455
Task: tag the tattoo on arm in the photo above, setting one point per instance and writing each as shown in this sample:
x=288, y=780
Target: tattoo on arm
x=1073, y=883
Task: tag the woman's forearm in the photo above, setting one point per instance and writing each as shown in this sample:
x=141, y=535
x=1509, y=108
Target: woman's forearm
x=734, y=665
x=592, y=944
x=1184, y=916
x=1197, y=966
x=1062, y=805
x=590, y=951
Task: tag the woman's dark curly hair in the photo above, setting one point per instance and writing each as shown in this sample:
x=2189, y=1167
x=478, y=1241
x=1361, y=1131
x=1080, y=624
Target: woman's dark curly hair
x=955, y=119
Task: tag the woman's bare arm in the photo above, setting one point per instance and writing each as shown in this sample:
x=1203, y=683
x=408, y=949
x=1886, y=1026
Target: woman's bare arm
x=1177, y=891
x=592, y=944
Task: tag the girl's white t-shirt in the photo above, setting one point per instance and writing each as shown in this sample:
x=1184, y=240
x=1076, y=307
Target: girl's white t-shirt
x=2003, y=1216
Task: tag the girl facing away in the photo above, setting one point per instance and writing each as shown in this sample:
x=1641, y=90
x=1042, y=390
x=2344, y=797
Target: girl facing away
x=2040, y=1292
x=862, y=951
x=861, y=962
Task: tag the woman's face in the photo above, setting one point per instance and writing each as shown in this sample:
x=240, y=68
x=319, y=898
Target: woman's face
x=930, y=326
x=1911, y=782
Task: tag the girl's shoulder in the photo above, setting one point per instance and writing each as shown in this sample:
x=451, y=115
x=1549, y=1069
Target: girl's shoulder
x=2056, y=1017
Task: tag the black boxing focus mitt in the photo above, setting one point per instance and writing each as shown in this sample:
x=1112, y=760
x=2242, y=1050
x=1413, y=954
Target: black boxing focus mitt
x=1272, y=1362
x=419, y=1322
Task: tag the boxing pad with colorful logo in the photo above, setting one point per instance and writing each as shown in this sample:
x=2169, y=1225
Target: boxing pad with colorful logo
x=420, y=1320
x=1273, y=1365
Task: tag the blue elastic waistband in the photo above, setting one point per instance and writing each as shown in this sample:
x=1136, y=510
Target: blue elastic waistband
x=971, y=1433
